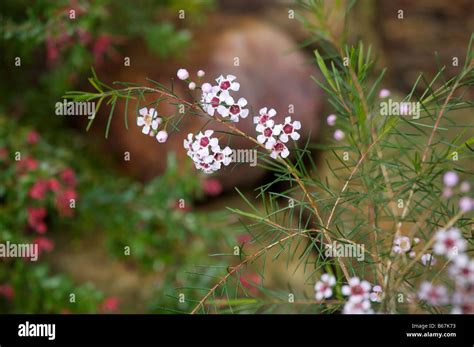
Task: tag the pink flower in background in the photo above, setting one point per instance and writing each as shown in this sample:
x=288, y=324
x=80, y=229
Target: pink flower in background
x=54, y=185
x=244, y=238
x=36, y=217
x=44, y=244
x=63, y=202
x=331, y=120
x=110, y=305
x=3, y=153
x=7, y=291
x=212, y=187
x=27, y=164
x=450, y=179
x=101, y=45
x=432, y=294
x=68, y=177
x=250, y=282
x=32, y=137
x=384, y=93
x=449, y=243
x=39, y=189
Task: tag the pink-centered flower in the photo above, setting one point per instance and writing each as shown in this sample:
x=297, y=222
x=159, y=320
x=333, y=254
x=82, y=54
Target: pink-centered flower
x=268, y=133
x=265, y=118
x=449, y=243
x=433, y=294
x=233, y=110
x=356, y=289
x=462, y=270
x=323, y=287
x=357, y=307
x=278, y=149
x=288, y=130
x=228, y=83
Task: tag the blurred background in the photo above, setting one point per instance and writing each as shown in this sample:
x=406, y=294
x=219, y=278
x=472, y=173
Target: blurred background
x=140, y=228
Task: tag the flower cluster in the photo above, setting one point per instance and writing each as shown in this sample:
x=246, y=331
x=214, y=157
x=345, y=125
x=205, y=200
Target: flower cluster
x=451, y=244
x=218, y=100
x=274, y=136
x=360, y=293
x=206, y=153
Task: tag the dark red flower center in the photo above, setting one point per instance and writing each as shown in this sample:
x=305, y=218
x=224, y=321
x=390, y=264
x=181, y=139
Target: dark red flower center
x=288, y=128
x=357, y=290
x=279, y=147
x=204, y=142
x=215, y=102
x=449, y=243
x=235, y=109
x=218, y=156
x=264, y=118
x=225, y=85
x=267, y=132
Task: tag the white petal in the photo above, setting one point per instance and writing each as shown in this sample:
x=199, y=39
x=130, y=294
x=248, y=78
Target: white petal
x=146, y=129
x=140, y=121
x=143, y=111
x=297, y=125
x=284, y=138
x=154, y=124
x=235, y=86
x=285, y=153
x=272, y=112
x=262, y=111
x=295, y=136
x=244, y=113
x=223, y=111
x=242, y=102
x=261, y=138
x=152, y=112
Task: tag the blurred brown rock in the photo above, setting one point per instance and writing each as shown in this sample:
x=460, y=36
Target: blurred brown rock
x=271, y=71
